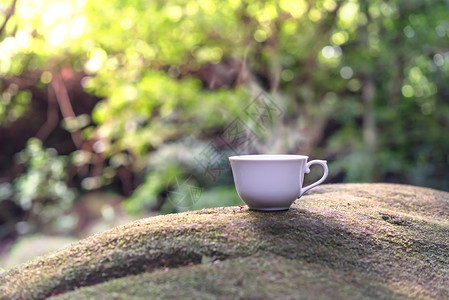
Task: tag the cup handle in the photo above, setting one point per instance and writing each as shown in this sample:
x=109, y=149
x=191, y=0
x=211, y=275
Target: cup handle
x=323, y=163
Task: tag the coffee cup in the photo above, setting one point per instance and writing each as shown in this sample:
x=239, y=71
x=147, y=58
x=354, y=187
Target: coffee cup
x=272, y=182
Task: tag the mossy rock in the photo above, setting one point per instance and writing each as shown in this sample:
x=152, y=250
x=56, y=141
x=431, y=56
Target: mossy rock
x=342, y=241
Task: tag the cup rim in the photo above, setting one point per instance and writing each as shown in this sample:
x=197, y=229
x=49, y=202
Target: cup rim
x=268, y=157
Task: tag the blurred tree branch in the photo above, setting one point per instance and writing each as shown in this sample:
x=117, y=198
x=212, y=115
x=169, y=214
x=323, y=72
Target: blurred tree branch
x=8, y=14
x=62, y=96
x=52, y=117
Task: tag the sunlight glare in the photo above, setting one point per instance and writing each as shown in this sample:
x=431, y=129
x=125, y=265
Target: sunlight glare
x=58, y=35
x=22, y=39
x=57, y=11
x=77, y=27
x=174, y=13
x=348, y=14
x=295, y=7
x=339, y=38
x=97, y=59
x=328, y=52
x=346, y=72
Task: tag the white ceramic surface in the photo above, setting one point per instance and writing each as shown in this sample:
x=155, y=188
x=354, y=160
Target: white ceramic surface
x=272, y=181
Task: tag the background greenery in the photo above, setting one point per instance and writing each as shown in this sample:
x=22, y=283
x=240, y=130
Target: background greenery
x=125, y=97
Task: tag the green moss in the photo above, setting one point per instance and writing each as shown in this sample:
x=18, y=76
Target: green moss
x=345, y=241
x=259, y=276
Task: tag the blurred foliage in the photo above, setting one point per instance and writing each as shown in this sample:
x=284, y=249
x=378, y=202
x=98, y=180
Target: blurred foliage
x=12, y=110
x=44, y=183
x=175, y=181
x=361, y=83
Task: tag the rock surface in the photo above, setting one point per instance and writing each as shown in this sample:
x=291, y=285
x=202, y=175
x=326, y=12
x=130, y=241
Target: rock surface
x=342, y=241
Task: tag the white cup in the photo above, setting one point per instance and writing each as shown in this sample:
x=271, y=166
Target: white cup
x=272, y=182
